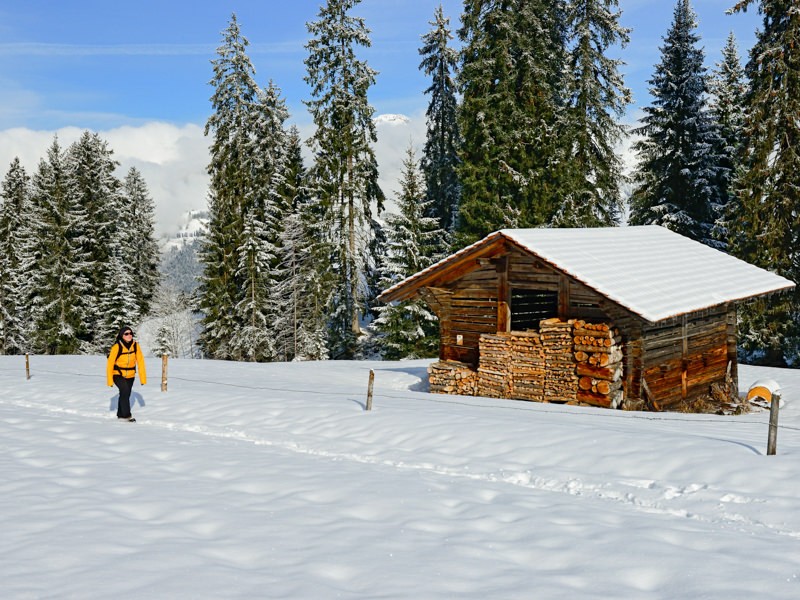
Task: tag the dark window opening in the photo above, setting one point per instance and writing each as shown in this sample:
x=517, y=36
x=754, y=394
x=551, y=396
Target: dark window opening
x=528, y=307
x=587, y=310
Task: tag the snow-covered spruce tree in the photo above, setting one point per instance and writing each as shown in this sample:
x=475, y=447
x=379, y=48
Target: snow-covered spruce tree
x=235, y=94
x=15, y=237
x=290, y=282
x=409, y=329
x=91, y=167
x=60, y=269
x=678, y=174
x=345, y=171
x=768, y=187
x=117, y=303
x=308, y=282
x=131, y=269
x=440, y=156
x=138, y=229
x=511, y=81
x=161, y=345
x=256, y=311
x=592, y=194
x=728, y=90
x=253, y=340
x=244, y=172
x=303, y=288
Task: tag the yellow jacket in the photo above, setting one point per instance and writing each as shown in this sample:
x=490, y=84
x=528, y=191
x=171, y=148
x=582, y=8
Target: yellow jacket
x=122, y=361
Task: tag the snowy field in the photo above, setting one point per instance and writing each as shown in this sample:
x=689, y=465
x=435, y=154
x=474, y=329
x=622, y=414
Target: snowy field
x=272, y=481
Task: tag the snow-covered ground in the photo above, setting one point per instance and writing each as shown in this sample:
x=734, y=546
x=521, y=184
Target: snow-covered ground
x=272, y=481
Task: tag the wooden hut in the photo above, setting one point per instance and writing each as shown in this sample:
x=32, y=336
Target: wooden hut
x=663, y=303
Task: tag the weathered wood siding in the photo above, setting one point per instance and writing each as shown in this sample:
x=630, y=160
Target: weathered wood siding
x=469, y=310
x=682, y=357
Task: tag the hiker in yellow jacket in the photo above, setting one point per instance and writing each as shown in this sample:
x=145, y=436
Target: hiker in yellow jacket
x=123, y=358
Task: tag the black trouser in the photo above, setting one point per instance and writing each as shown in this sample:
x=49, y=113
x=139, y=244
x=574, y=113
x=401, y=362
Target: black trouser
x=125, y=386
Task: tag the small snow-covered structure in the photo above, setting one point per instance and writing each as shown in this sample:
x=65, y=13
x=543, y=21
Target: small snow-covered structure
x=666, y=302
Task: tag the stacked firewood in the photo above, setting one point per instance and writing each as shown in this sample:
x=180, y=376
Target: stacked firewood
x=528, y=368
x=565, y=361
x=494, y=375
x=452, y=377
x=560, y=381
x=598, y=358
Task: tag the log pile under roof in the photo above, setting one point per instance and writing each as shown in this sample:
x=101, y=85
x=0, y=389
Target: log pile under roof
x=494, y=375
x=560, y=380
x=528, y=369
x=564, y=361
x=598, y=358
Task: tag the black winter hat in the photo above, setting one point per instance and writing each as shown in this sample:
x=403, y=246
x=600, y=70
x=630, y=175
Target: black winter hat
x=122, y=330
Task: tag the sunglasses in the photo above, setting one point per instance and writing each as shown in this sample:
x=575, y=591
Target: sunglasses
x=127, y=333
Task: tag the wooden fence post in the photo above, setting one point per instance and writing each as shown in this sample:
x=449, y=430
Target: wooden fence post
x=164, y=372
x=27, y=366
x=369, y=389
x=772, y=438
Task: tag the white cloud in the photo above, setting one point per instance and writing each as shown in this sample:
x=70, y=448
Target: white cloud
x=173, y=159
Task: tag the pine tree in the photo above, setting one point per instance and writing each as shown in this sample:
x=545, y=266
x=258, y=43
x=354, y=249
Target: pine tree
x=345, y=172
x=91, y=169
x=141, y=252
x=116, y=304
x=597, y=97
x=409, y=329
x=768, y=188
x=306, y=288
x=728, y=89
x=511, y=82
x=59, y=277
x=15, y=234
x=235, y=93
x=440, y=156
x=253, y=312
x=247, y=164
x=303, y=289
x=677, y=178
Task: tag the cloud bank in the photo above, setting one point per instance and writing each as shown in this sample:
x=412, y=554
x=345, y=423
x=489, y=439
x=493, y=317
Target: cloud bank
x=173, y=158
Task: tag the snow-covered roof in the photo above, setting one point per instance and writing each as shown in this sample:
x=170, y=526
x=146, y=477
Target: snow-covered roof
x=649, y=270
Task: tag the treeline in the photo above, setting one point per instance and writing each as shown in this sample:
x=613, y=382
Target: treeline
x=77, y=252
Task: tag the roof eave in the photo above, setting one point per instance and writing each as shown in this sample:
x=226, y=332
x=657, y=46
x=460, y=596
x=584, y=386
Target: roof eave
x=449, y=266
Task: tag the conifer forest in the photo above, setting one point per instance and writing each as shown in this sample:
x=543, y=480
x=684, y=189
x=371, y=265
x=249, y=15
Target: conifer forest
x=525, y=102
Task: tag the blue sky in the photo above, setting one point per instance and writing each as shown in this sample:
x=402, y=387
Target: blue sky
x=138, y=71
x=98, y=64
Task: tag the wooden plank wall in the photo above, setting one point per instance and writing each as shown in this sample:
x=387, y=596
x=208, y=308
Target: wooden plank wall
x=470, y=310
x=527, y=272
x=682, y=357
